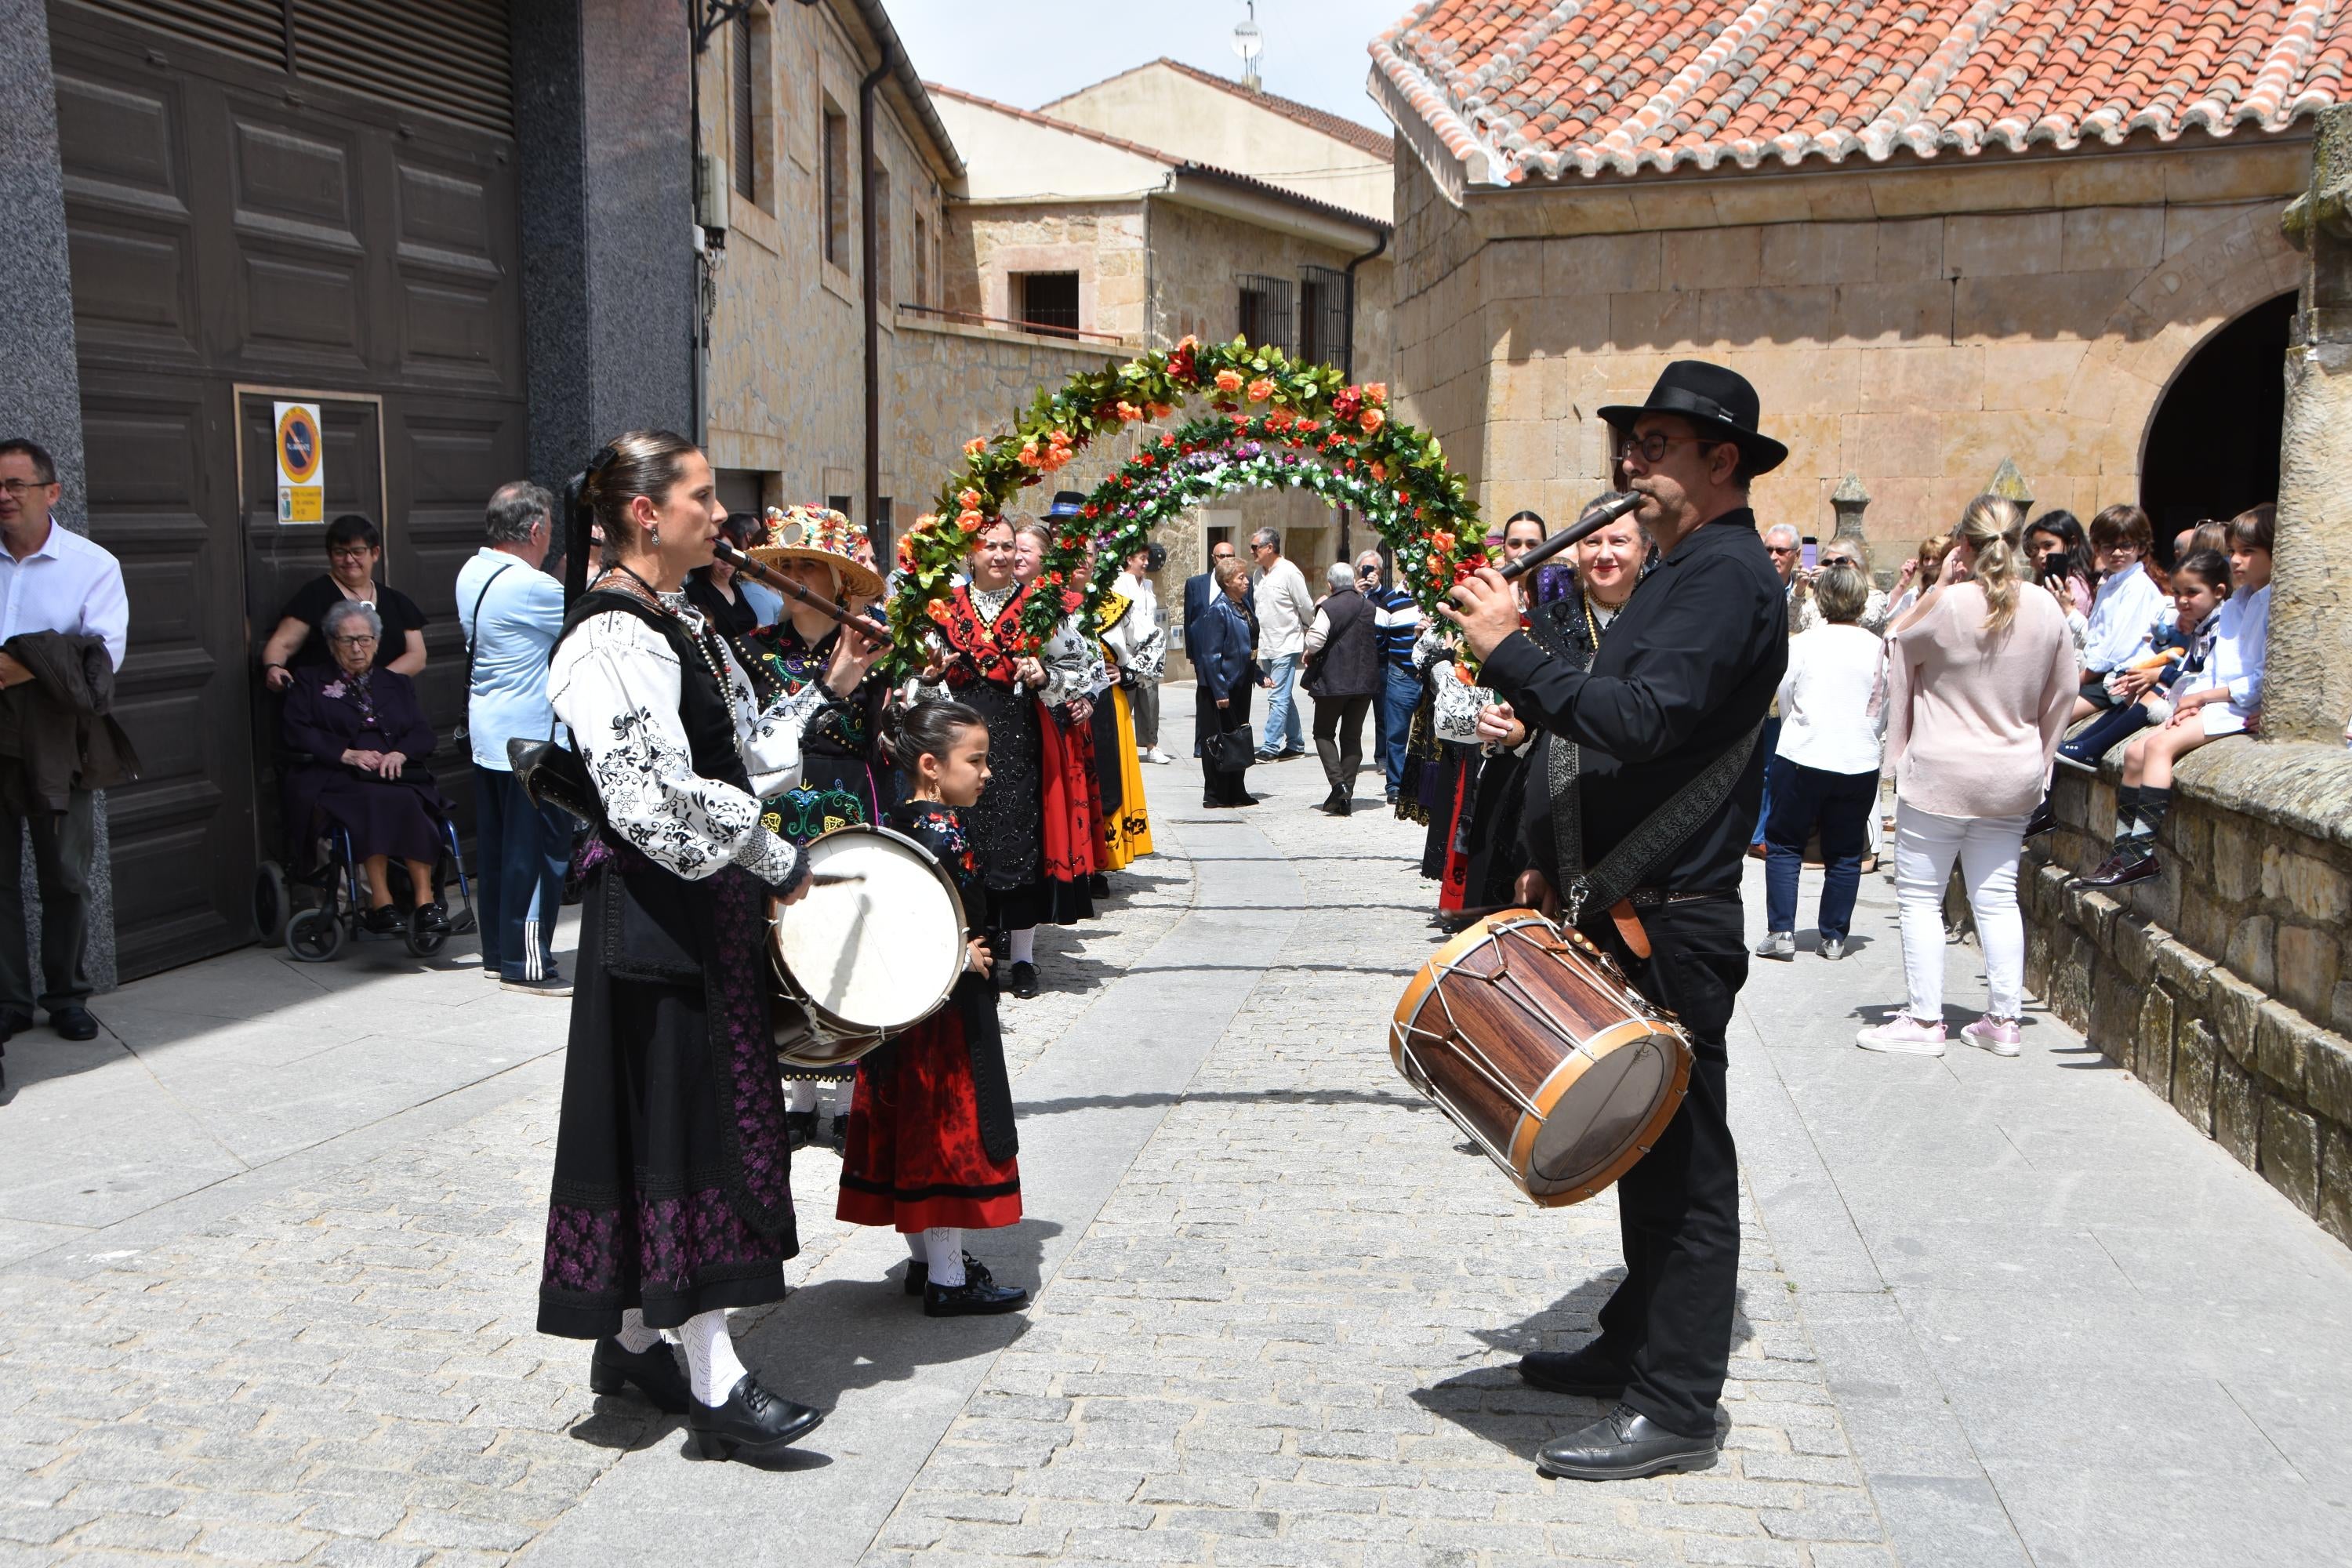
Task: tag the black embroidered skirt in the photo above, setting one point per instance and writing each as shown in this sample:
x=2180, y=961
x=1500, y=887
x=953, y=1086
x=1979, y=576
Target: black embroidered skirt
x=673, y=1176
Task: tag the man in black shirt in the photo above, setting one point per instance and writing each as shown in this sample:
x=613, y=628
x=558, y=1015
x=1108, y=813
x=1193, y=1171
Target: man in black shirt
x=1682, y=677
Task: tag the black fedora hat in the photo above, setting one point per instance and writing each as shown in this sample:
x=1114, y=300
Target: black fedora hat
x=1719, y=402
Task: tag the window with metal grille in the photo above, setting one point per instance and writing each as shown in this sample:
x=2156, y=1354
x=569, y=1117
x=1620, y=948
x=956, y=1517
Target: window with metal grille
x=1323, y=315
x=445, y=57
x=1047, y=302
x=922, y=260
x=1265, y=310
x=743, y=150
x=838, y=503
x=835, y=175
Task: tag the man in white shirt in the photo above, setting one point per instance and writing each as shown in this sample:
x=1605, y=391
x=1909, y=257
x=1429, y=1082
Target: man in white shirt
x=511, y=613
x=51, y=580
x=1285, y=610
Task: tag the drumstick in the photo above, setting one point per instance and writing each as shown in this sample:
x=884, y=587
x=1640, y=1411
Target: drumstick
x=836, y=880
x=877, y=635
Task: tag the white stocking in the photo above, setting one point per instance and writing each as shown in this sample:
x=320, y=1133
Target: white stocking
x=1024, y=945
x=711, y=1365
x=915, y=1248
x=945, y=1243
x=800, y=1094
x=634, y=1337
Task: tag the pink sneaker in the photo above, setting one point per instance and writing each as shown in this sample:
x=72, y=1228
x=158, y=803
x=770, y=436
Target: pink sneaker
x=1998, y=1036
x=1903, y=1035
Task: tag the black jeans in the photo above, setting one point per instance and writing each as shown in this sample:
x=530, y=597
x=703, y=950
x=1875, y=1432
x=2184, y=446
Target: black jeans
x=1339, y=740
x=1669, y=1322
x=62, y=844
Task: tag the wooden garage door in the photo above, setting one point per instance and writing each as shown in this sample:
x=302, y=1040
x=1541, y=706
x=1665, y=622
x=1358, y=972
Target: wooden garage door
x=257, y=210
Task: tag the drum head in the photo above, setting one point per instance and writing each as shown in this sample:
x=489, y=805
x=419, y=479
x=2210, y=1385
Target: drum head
x=1609, y=1105
x=883, y=950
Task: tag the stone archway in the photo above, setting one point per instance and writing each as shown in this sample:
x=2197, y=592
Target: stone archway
x=2183, y=303
x=2212, y=443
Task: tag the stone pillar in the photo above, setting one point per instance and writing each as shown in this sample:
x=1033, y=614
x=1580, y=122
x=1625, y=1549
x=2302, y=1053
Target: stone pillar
x=605, y=159
x=1850, y=500
x=2308, y=680
x=40, y=396
x=2009, y=485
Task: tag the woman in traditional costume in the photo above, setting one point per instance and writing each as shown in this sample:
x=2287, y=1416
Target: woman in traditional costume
x=843, y=775
x=672, y=1198
x=1073, y=787
x=1119, y=760
x=931, y=1146
x=982, y=658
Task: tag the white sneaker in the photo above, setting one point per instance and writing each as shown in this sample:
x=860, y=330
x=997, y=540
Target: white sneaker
x=1156, y=755
x=1998, y=1036
x=1778, y=944
x=1903, y=1035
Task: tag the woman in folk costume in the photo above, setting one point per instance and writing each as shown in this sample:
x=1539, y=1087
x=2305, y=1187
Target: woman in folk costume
x=1073, y=789
x=931, y=1146
x=1118, y=762
x=672, y=1198
x=980, y=658
x=843, y=775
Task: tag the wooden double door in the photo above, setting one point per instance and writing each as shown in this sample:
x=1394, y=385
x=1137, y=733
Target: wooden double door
x=240, y=237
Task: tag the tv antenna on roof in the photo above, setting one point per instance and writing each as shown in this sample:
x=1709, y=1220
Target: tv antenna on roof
x=1249, y=43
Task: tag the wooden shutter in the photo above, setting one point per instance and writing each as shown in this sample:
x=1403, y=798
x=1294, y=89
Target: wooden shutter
x=252, y=30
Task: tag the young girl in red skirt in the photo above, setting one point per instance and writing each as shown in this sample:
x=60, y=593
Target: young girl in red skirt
x=930, y=1147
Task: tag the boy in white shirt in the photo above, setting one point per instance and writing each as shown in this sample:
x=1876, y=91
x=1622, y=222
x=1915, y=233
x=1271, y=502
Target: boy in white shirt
x=2126, y=603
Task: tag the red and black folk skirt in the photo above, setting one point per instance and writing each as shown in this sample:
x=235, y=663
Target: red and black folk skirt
x=931, y=1140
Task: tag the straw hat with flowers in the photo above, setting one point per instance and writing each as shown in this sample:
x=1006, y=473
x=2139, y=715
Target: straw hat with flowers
x=822, y=535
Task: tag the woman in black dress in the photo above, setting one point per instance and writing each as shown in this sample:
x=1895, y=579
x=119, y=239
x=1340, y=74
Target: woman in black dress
x=672, y=1198
x=357, y=733
x=355, y=550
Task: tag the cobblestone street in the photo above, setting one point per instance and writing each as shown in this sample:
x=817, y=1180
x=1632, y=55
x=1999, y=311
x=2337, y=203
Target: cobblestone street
x=268, y=1249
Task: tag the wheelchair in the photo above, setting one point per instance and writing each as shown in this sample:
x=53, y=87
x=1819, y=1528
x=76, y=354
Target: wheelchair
x=316, y=911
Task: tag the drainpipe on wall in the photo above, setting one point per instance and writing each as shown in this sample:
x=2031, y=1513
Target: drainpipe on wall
x=1347, y=549
x=870, y=260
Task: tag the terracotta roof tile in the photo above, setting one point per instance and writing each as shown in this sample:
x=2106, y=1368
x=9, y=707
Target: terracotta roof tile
x=1553, y=88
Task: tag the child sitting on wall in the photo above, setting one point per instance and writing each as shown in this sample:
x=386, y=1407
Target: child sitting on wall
x=2180, y=646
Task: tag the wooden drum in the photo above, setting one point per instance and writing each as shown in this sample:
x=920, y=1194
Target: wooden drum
x=1535, y=1045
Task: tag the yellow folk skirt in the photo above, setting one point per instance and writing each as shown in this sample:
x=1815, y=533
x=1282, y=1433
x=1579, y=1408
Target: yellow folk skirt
x=1126, y=832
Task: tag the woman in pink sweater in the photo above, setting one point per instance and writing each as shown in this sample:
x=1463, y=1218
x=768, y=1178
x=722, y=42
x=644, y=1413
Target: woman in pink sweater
x=1981, y=679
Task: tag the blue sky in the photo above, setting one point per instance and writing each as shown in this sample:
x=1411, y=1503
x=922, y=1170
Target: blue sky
x=1026, y=52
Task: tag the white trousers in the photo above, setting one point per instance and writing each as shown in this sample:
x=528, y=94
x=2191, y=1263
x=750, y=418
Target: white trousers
x=1987, y=848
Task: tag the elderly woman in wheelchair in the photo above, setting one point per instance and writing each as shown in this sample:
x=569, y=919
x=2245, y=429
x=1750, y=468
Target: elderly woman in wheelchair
x=356, y=738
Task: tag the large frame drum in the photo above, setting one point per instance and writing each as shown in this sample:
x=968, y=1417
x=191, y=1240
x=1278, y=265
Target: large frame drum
x=1534, y=1044
x=874, y=949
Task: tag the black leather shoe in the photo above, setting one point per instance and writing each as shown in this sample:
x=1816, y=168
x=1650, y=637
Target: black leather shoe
x=1024, y=980
x=752, y=1421
x=74, y=1023
x=1097, y=886
x=978, y=1296
x=2133, y=869
x=1577, y=1372
x=918, y=1275
x=1623, y=1445
x=1345, y=808
x=799, y=1128
x=836, y=1134
x=2106, y=867
x=381, y=920
x=2043, y=820
x=654, y=1373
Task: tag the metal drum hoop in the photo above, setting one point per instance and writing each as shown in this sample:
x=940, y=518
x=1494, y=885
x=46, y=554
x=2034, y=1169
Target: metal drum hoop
x=822, y=1021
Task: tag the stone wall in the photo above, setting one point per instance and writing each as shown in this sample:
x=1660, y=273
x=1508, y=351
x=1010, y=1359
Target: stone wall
x=1914, y=326
x=2224, y=986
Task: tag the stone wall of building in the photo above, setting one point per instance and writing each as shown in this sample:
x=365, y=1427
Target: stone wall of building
x=2225, y=986
x=1914, y=326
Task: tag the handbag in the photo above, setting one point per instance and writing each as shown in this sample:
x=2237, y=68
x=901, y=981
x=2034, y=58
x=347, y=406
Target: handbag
x=552, y=774
x=1230, y=751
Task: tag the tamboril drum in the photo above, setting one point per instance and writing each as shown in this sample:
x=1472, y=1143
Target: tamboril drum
x=874, y=949
x=1534, y=1044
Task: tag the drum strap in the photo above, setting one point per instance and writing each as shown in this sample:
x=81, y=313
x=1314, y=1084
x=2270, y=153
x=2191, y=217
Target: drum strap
x=1606, y=885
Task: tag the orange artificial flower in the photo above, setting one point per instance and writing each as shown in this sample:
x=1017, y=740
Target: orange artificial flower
x=1379, y=470
x=1259, y=390
x=1377, y=393
x=969, y=521
x=1372, y=419
x=1229, y=380
x=1128, y=412
x=975, y=447
x=1028, y=454
x=968, y=499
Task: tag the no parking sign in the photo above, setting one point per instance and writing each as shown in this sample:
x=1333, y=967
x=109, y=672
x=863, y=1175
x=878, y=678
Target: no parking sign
x=301, y=464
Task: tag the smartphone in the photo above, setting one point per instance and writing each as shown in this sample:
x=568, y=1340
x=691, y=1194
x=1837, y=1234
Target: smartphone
x=1812, y=556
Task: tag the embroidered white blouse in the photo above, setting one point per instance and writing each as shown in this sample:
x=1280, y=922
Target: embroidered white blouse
x=616, y=684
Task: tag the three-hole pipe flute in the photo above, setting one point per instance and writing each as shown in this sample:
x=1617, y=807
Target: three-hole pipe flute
x=1592, y=523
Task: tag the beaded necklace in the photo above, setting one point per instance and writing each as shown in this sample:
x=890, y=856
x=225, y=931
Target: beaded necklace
x=698, y=638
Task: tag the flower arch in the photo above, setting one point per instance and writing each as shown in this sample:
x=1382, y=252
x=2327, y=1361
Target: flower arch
x=1276, y=423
